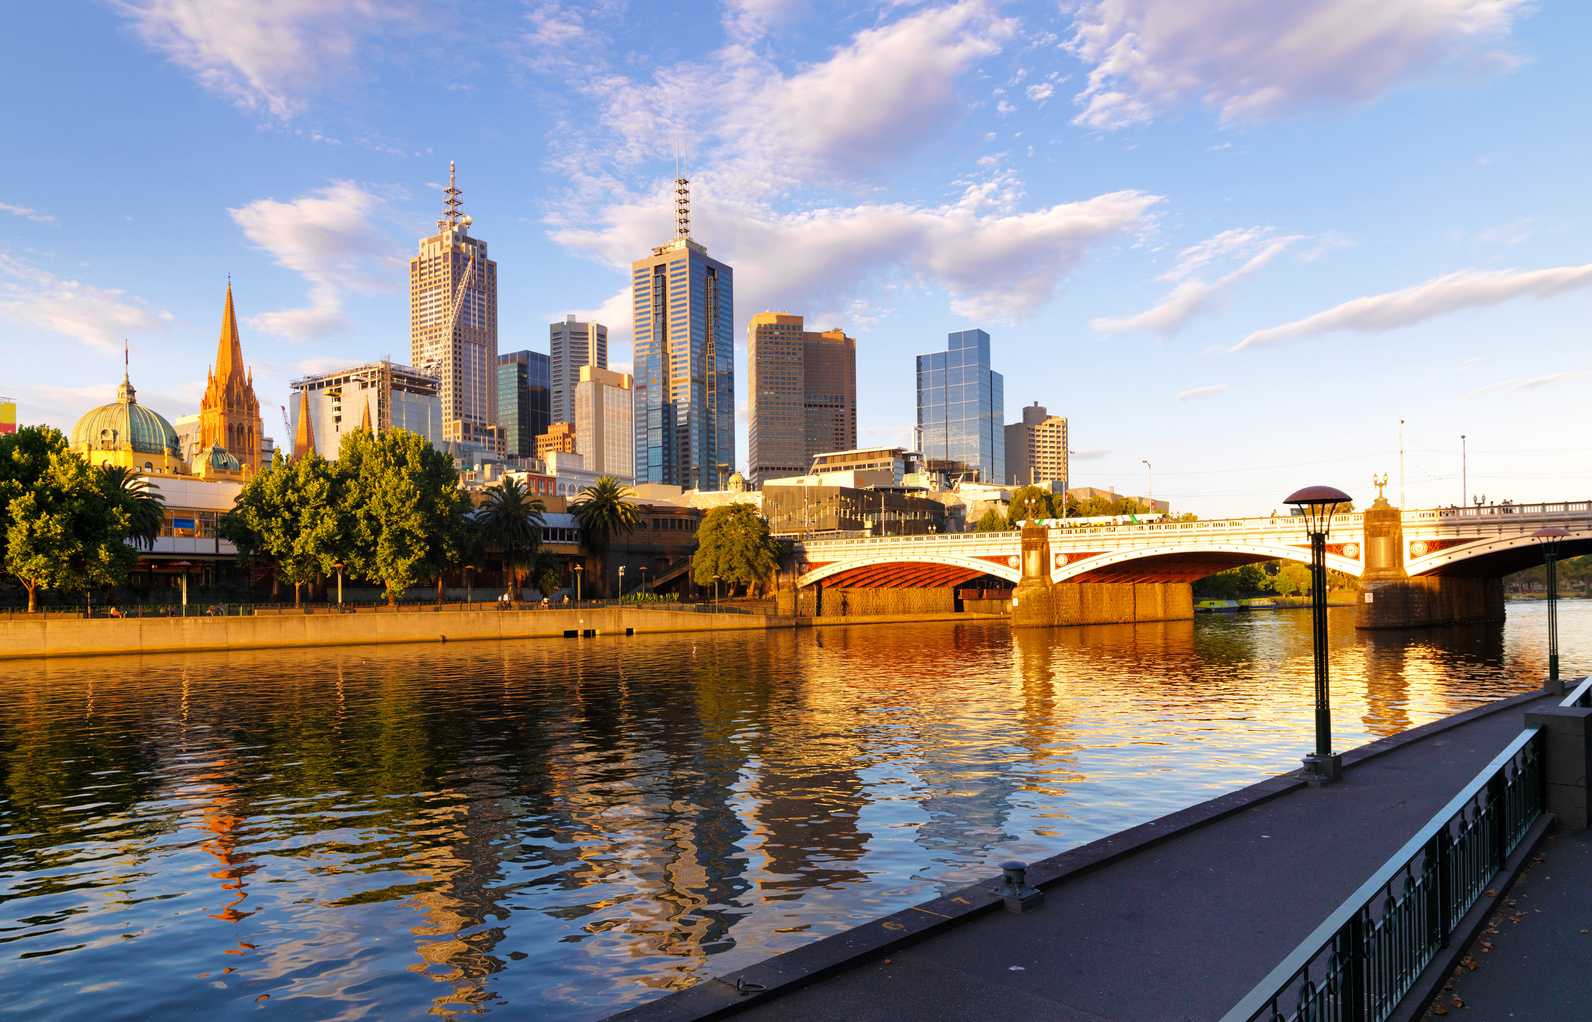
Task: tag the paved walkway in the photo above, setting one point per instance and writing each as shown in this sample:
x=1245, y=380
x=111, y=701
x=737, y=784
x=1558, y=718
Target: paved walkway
x=1185, y=929
x=1539, y=965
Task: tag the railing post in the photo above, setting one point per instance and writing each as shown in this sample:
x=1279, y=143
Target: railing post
x=1497, y=790
x=1351, y=959
x=1445, y=884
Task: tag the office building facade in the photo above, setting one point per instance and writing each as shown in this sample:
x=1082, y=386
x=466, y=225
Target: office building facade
x=524, y=400
x=453, y=324
x=684, y=304
x=961, y=411
x=377, y=396
x=604, y=422
x=1036, y=448
x=559, y=439
x=801, y=394
x=573, y=344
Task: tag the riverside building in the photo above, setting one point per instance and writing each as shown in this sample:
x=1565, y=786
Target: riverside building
x=453, y=325
x=801, y=394
x=684, y=304
x=1036, y=448
x=573, y=344
x=524, y=400
x=377, y=396
x=961, y=411
x=604, y=422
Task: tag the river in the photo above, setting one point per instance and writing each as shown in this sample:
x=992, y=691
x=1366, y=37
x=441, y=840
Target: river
x=555, y=829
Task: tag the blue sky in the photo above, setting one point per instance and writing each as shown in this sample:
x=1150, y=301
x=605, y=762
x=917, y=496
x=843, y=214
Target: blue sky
x=1237, y=239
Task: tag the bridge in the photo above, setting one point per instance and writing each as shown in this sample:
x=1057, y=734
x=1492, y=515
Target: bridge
x=1380, y=546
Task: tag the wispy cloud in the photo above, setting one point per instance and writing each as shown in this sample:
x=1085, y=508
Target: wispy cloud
x=1093, y=453
x=1530, y=383
x=330, y=240
x=99, y=317
x=1190, y=297
x=1465, y=289
x=1199, y=392
x=31, y=214
x=1258, y=59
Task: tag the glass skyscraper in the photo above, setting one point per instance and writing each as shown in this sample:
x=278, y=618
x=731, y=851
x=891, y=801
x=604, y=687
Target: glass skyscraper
x=524, y=396
x=961, y=411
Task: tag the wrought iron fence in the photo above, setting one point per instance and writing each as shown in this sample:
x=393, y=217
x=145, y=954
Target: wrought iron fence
x=1360, y=963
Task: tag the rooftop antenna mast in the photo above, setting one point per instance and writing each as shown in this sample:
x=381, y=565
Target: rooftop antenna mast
x=682, y=191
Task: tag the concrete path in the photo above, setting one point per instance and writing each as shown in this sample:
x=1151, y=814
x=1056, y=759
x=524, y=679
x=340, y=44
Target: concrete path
x=1540, y=964
x=1182, y=930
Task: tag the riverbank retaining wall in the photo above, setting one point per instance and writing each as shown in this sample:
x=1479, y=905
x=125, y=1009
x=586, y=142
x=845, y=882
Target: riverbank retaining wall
x=1044, y=604
x=1423, y=601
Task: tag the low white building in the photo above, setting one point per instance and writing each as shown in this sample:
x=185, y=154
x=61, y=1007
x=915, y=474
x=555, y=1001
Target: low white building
x=375, y=395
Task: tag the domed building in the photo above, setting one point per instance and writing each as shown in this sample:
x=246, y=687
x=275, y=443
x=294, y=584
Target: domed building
x=128, y=434
x=218, y=465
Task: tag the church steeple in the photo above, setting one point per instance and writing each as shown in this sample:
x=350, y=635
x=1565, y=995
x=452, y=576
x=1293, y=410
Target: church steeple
x=304, y=435
x=229, y=353
x=229, y=413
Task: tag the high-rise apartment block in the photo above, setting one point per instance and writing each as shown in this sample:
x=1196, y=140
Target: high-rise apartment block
x=684, y=361
x=453, y=324
x=604, y=422
x=574, y=344
x=961, y=411
x=1036, y=448
x=524, y=400
x=801, y=394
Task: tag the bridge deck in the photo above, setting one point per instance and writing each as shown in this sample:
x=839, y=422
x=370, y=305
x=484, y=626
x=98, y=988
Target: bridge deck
x=1184, y=928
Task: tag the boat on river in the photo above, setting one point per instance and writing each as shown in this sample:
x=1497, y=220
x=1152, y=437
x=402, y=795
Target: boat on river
x=1214, y=606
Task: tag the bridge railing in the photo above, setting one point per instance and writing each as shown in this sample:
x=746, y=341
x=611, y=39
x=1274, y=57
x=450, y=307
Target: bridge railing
x=1358, y=965
x=1559, y=509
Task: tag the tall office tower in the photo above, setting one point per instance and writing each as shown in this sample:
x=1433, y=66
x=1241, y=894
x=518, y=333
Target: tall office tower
x=604, y=422
x=1036, y=448
x=453, y=324
x=684, y=361
x=801, y=395
x=574, y=344
x=524, y=400
x=961, y=411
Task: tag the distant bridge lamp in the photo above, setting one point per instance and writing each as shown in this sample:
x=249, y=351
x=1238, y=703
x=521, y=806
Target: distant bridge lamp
x=1548, y=538
x=1317, y=505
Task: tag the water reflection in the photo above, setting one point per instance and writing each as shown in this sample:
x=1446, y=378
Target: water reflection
x=562, y=828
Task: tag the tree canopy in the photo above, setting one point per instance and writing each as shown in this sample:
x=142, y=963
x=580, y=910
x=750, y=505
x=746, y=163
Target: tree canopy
x=292, y=513
x=511, y=519
x=605, y=509
x=404, y=508
x=734, y=543
x=141, y=499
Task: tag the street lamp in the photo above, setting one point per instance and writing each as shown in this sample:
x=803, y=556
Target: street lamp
x=643, y=570
x=578, y=570
x=339, y=567
x=621, y=583
x=1149, y=480
x=1548, y=538
x=1319, y=504
x=184, y=565
x=715, y=592
x=1464, y=471
x=469, y=594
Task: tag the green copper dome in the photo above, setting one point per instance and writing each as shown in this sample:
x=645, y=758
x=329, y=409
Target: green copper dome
x=220, y=459
x=125, y=424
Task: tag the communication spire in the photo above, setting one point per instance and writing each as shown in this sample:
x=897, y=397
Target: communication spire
x=451, y=216
x=682, y=192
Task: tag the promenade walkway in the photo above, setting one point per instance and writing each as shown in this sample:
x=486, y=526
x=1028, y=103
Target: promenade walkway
x=1178, y=931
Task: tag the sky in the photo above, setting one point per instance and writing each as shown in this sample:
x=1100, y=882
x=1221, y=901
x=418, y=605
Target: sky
x=1234, y=242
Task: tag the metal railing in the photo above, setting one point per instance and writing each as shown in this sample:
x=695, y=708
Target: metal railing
x=1581, y=695
x=1360, y=963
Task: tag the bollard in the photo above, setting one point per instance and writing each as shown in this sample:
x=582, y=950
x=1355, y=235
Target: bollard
x=1013, y=888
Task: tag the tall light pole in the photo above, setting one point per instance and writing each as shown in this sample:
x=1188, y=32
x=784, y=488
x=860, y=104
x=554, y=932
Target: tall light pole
x=1548, y=538
x=1401, y=464
x=1149, y=479
x=1319, y=504
x=339, y=567
x=578, y=569
x=621, y=583
x=1464, y=471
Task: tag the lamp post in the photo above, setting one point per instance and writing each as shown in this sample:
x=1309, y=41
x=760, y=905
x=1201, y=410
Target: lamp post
x=1319, y=504
x=1464, y=471
x=715, y=592
x=1149, y=480
x=578, y=570
x=184, y=565
x=469, y=591
x=1548, y=538
x=621, y=583
x=339, y=567
x=643, y=570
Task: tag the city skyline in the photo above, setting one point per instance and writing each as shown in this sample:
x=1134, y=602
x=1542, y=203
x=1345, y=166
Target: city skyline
x=1195, y=252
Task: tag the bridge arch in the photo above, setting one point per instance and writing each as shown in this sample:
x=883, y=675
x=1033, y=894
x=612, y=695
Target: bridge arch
x=1488, y=557
x=915, y=570
x=1183, y=562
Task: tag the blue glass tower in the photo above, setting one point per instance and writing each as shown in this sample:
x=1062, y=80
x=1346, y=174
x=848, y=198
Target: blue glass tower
x=961, y=410
x=524, y=390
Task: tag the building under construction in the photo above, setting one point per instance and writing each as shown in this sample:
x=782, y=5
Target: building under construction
x=377, y=395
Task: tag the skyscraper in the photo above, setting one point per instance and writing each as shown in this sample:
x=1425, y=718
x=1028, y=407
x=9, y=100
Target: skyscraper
x=573, y=344
x=453, y=324
x=524, y=399
x=684, y=360
x=1036, y=448
x=604, y=429
x=801, y=395
x=961, y=410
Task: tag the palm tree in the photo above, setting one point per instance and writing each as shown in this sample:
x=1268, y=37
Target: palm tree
x=511, y=519
x=603, y=509
x=145, y=507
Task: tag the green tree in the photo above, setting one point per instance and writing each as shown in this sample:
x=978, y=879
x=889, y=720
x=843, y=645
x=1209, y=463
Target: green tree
x=546, y=572
x=1032, y=503
x=145, y=507
x=404, y=509
x=511, y=519
x=61, y=529
x=991, y=521
x=734, y=543
x=292, y=514
x=1295, y=575
x=605, y=509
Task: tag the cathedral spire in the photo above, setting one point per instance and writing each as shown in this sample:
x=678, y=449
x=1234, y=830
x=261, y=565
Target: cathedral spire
x=304, y=435
x=229, y=353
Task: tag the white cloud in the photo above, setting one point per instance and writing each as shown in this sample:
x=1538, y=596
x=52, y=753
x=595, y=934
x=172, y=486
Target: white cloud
x=1259, y=59
x=327, y=238
x=1199, y=392
x=1530, y=383
x=264, y=54
x=1044, y=90
x=1092, y=453
x=1466, y=289
x=31, y=214
x=1190, y=297
x=98, y=317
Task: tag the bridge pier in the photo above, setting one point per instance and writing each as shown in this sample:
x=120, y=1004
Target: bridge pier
x=1390, y=598
x=1039, y=603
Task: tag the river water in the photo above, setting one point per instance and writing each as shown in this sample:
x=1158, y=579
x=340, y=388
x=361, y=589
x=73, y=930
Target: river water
x=555, y=829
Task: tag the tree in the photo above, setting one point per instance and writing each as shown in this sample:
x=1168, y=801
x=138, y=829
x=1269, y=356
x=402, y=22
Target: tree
x=991, y=521
x=293, y=514
x=145, y=507
x=1296, y=576
x=405, y=512
x=1032, y=503
x=61, y=529
x=512, y=520
x=546, y=572
x=734, y=543
x=605, y=509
